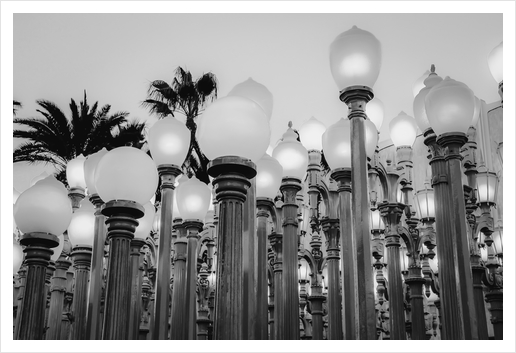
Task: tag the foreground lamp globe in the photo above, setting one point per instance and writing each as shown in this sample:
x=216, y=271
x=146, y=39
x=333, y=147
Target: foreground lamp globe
x=336, y=144
x=419, y=101
x=268, y=176
x=89, y=169
x=169, y=140
x=292, y=155
x=495, y=62
x=376, y=221
x=311, y=133
x=234, y=126
x=193, y=199
x=126, y=173
x=44, y=207
x=487, y=185
x=355, y=58
x=374, y=111
x=256, y=92
x=81, y=230
x=450, y=106
x=75, y=172
x=403, y=130
x=146, y=222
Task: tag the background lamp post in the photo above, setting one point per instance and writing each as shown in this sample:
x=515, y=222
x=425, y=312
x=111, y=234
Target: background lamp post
x=293, y=157
x=126, y=178
x=41, y=212
x=450, y=107
x=355, y=57
x=169, y=140
x=94, y=324
x=193, y=200
x=81, y=232
x=243, y=135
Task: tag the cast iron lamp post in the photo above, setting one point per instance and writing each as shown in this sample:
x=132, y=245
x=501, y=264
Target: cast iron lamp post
x=41, y=212
x=126, y=178
x=169, y=140
x=243, y=137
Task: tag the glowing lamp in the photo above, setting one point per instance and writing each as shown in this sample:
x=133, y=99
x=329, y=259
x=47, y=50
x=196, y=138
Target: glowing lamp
x=487, y=186
x=58, y=250
x=75, y=172
x=371, y=138
x=425, y=204
x=17, y=257
x=38, y=178
x=355, y=58
x=403, y=130
x=419, y=100
x=374, y=111
x=497, y=237
x=336, y=144
x=193, y=199
x=304, y=270
x=81, y=230
x=256, y=92
x=495, y=62
x=145, y=223
x=89, y=169
x=292, y=155
x=376, y=221
x=126, y=173
x=169, y=140
x=268, y=177
x=311, y=133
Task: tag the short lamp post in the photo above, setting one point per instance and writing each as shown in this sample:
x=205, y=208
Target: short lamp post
x=169, y=140
x=293, y=157
x=81, y=232
x=126, y=178
x=242, y=139
x=41, y=212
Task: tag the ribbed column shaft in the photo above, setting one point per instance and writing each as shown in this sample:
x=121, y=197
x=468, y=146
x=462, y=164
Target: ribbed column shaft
x=277, y=245
x=57, y=293
x=417, y=313
x=261, y=270
x=81, y=256
x=316, y=303
x=192, y=227
x=178, y=322
x=136, y=288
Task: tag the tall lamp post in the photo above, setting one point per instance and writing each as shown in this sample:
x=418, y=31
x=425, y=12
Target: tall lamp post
x=169, y=141
x=41, y=212
x=243, y=137
x=355, y=57
x=126, y=178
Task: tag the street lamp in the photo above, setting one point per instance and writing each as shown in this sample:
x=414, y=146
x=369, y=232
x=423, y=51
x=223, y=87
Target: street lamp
x=243, y=135
x=41, y=212
x=355, y=60
x=293, y=157
x=126, y=178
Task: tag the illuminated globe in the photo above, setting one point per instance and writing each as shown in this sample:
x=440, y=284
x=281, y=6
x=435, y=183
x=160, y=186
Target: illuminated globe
x=256, y=92
x=169, y=140
x=292, y=155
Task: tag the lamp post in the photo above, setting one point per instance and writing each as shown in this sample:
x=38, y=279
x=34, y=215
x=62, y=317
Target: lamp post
x=126, y=178
x=355, y=64
x=243, y=138
x=169, y=141
x=193, y=198
x=178, y=320
x=293, y=157
x=81, y=233
x=41, y=212
x=450, y=108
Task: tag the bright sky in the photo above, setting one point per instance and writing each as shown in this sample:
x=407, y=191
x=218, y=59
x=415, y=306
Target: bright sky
x=115, y=56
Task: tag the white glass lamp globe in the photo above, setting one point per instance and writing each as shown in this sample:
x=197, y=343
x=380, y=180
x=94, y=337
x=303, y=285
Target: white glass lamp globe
x=57, y=251
x=89, y=169
x=371, y=138
x=374, y=111
x=420, y=83
x=17, y=257
x=169, y=140
x=145, y=223
x=376, y=221
x=292, y=155
x=336, y=144
x=75, y=172
x=450, y=106
x=268, y=177
x=16, y=194
x=38, y=178
x=193, y=199
x=256, y=92
x=44, y=207
x=175, y=210
x=310, y=134
x=425, y=204
x=487, y=186
x=403, y=130
x=234, y=126
x=419, y=102
x=126, y=173
x=355, y=58
x=495, y=62
x=81, y=230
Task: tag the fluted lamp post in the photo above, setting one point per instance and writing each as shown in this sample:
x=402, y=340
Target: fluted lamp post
x=81, y=232
x=293, y=157
x=41, y=212
x=125, y=178
x=243, y=135
x=450, y=107
x=355, y=57
x=169, y=140
x=193, y=200
x=94, y=322
x=268, y=180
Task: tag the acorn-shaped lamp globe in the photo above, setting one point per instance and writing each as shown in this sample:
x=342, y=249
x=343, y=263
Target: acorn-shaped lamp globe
x=81, y=230
x=256, y=92
x=145, y=223
x=336, y=144
x=89, y=169
x=268, y=177
x=193, y=199
x=291, y=154
x=169, y=140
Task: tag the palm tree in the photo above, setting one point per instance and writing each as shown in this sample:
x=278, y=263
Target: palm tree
x=56, y=139
x=188, y=97
x=16, y=105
